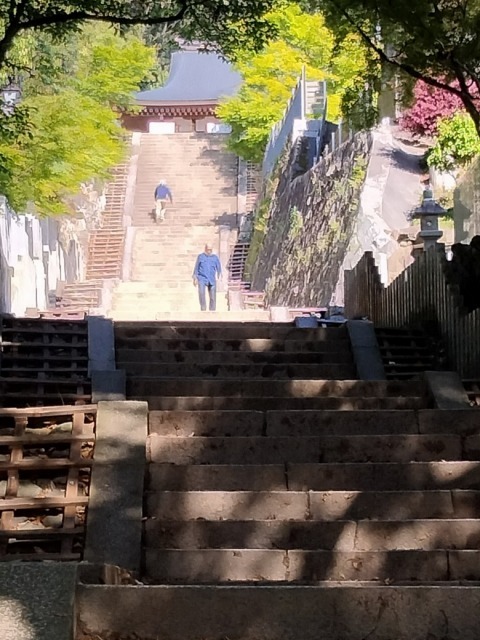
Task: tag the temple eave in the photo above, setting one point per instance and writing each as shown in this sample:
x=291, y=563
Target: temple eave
x=199, y=110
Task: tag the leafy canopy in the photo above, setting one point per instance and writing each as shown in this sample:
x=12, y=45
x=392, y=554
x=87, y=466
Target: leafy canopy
x=431, y=40
x=270, y=75
x=457, y=143
x=209, y=20
x=70, y=131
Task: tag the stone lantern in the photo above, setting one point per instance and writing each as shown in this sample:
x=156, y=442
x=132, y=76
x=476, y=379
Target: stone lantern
x=429, y=212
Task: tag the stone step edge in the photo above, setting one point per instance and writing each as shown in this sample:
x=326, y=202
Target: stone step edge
x=224, y=565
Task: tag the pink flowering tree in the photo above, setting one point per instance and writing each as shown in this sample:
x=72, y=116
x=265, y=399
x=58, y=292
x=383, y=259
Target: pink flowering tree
x=430, y=105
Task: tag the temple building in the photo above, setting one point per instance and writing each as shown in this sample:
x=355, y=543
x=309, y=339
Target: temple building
x=187, y=102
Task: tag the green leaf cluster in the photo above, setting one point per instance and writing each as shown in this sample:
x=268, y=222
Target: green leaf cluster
x=70, y=131
x=224, y=24
x=457, y=143
x=303, y=40
x=433, y=41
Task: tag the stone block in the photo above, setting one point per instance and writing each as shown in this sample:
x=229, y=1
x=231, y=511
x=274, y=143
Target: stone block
x=464, y=565
x=310, y=423
x=417, y=534
x=472, y=447
x=238, y=505
x=206, y=423
x=466, y=504
x=231, y=450
x=280, y=314
x=331, y=477
x=464, y=422
x=423, y=476
x=346, y=612
x=108, y=385
x=101, y=344
x=390, y=448
x=382, y=505
x=365, y=350
x=447, y=390
x=259, y=403
x=217, y=477
x=215, y=565
x=230, y=534
x=408, y=566
x=37, y=601
x=270, y=534
x=116, y=492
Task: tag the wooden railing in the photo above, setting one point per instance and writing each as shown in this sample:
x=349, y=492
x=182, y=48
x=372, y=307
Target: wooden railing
x=419, y=297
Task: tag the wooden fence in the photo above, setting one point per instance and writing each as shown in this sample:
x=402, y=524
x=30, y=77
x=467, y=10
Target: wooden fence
x=420, y=297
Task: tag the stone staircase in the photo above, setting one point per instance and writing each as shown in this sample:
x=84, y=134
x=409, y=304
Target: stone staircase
x=105, y=249
x=269, y=463
x=203, y=178
x=284, y=499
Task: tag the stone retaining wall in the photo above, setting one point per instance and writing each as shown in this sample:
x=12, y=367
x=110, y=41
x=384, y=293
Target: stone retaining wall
x=309, y=223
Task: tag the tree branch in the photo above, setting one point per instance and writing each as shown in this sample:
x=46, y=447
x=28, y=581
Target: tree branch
x=79, y=16
x=397, y=63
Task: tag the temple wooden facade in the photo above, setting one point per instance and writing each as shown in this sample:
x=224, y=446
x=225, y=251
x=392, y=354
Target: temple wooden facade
x=188, y=101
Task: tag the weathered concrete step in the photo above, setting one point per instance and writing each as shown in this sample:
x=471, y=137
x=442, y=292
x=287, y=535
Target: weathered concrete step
x=221, y=371
x=129, y=356
x=275, y=477
x=228, y=344
x=261, y=332
x=271, y=450
x=255, y=565
x=238, y=403
x=258, y=387
x=311, y=423
x=348, y=611
x=370, y=476
x=282, y=503
x=294, y=533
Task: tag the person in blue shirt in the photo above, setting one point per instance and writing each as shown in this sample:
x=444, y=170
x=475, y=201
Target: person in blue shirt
x=162, y=195
x=205, y=275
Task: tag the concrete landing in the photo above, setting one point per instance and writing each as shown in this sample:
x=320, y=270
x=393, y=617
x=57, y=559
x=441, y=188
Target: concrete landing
x=379, y=612
x=37, y=601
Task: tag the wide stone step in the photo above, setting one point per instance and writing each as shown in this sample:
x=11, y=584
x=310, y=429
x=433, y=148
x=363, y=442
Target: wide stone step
x=125, y=357
x=298, y=388
x=326, y=506
x=312, y=423
x=263, y=333
x=249, y=345
x=276, y=477
x=261, y=565
x=236, y=403
x=346, y=611
x=220, y=370
x=373, y=422
x=260, y=450
x=365, y=535
x=373, y=476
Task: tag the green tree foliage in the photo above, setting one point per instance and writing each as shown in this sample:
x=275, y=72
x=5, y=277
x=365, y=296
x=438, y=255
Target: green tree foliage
x=457, y=143
x=429, y=40
x=70, y=130
x=209, y=20
x=270, y=75
x=111, y=70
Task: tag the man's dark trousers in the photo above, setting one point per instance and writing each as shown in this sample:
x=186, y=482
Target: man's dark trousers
x=212, y=292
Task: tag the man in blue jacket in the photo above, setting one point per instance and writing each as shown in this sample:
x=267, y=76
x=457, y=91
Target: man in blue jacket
x=162, y=195
x=205, y=274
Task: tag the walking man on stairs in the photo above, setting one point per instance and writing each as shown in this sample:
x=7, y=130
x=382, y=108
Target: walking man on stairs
x=205, y=274
x=162, y=195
